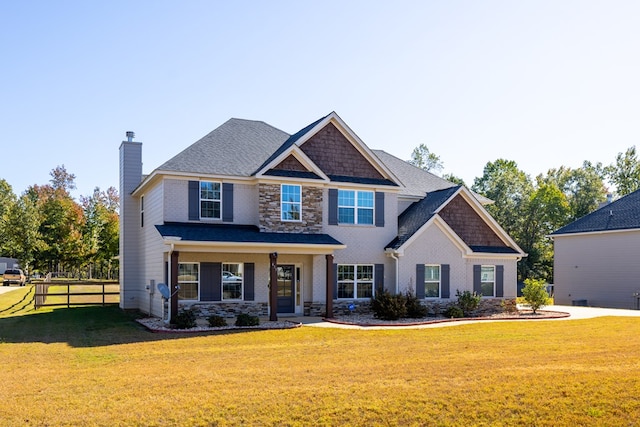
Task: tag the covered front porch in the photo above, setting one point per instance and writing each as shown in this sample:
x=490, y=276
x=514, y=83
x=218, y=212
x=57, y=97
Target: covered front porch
x=229, y=269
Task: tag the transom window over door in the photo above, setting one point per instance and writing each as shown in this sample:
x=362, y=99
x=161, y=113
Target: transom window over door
x=290, y=202
x=487, y=280
x=355, y=207
x=355, y=281
x=210, y=200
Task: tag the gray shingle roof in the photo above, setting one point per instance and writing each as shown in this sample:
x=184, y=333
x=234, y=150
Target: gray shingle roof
x=197, y=232
x=417, y=181
x=416, y=215
x=238, y=147
x=623, y=214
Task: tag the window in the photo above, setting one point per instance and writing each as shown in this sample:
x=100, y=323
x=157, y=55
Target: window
x=290, y=202
x=487, y=280
x=355, y=281
x=188, y=279
x=141, y=211
x=355, y=207
x=210, y=200
x=232, y=281
x=432, y=281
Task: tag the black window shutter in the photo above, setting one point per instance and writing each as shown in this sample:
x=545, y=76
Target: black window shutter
x=210, y=281
x=379, y=205
x=249, y=281
x=335, y=281
x=227, y=202
x=420, y=281
x=499, y=281
x=378, y=276
x=333, y=206
x=194, y=200
x=477, y=279
x=444, y=281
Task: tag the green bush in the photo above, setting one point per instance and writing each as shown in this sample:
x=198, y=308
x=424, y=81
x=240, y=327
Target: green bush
x=454, y=312
x=535, y=293
x=185, y=319
x=388, y=307
x=467, y=301
x=216, y=321
x=509, y=306
x=415, y=309
x=247, y=320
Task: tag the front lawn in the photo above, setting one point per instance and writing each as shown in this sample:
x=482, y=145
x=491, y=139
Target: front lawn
x=95, y=366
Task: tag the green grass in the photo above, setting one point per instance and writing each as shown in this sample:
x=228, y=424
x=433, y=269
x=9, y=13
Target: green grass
x=95, y=366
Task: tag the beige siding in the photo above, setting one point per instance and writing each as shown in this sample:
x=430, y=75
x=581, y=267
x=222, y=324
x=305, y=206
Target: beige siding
x=176, y=202
x=601, y=268
x=153, y=253
x=366, y=243
x=433, y=246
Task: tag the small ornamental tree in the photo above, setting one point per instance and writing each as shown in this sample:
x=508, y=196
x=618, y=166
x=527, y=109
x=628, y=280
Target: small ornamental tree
x=535, y=294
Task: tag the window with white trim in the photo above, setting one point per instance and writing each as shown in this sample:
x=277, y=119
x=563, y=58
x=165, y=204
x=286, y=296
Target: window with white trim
x=355, y=207
x=210, y=200
x=487, y=280
x=355, y=281
x=432, y=281
x=188, y=280
x=290, y=202
x=232, y=281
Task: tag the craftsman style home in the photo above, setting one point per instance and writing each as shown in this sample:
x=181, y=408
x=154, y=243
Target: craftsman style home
x=596, y=257
x=251, y=219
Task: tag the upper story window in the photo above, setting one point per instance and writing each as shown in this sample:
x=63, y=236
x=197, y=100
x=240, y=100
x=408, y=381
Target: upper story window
x=141, y=211
x=432, y=281
x=290, y=202
x=355, y=207
x=487, y=280
x=210, y=200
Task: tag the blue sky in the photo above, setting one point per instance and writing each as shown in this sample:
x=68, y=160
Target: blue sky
x=543, y=83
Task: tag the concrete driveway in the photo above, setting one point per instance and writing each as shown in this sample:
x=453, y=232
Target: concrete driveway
x=5, y=289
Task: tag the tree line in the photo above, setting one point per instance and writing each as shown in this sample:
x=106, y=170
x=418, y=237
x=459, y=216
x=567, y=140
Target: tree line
x=530, y=209
x=48, y=231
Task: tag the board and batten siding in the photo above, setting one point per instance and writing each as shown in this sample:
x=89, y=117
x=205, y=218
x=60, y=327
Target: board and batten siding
x=601, y=268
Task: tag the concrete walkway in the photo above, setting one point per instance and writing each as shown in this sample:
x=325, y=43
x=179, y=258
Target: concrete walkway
x=5, y=289
x=574, y=314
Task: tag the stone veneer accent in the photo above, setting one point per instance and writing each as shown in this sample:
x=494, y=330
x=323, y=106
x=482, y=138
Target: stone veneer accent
x=269, y=211
x=227, y=309
x=435, y=308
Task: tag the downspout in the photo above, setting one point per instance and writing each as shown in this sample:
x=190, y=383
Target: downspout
x=393, y=254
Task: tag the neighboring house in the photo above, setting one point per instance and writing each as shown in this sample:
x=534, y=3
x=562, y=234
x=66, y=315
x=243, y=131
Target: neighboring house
x=596, y=257
x=323, y=218
x=6, y=263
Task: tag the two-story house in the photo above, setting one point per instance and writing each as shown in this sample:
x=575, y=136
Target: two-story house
x=251, y=219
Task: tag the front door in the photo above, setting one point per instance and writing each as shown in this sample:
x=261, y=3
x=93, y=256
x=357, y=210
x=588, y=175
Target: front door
x=286, y=288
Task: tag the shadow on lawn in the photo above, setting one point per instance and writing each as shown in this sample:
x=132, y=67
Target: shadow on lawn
x=87, y=326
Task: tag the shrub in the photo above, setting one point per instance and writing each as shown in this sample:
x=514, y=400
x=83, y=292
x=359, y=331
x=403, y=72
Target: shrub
x=535, y=294
x=467, y=301
x=388, y=307
x=454, y=312
x=216, y=321
x=247, y=320
x=185, y=319
x=415, y=310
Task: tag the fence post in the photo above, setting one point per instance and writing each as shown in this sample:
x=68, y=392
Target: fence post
x=68, y=295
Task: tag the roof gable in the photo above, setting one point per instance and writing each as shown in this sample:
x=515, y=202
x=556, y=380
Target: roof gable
x=463, y=215
x=623, y=214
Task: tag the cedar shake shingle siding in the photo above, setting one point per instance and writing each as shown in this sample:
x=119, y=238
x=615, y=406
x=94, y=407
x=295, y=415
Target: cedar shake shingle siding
x=291, y=164
x=334, y=154
x=472, y=229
